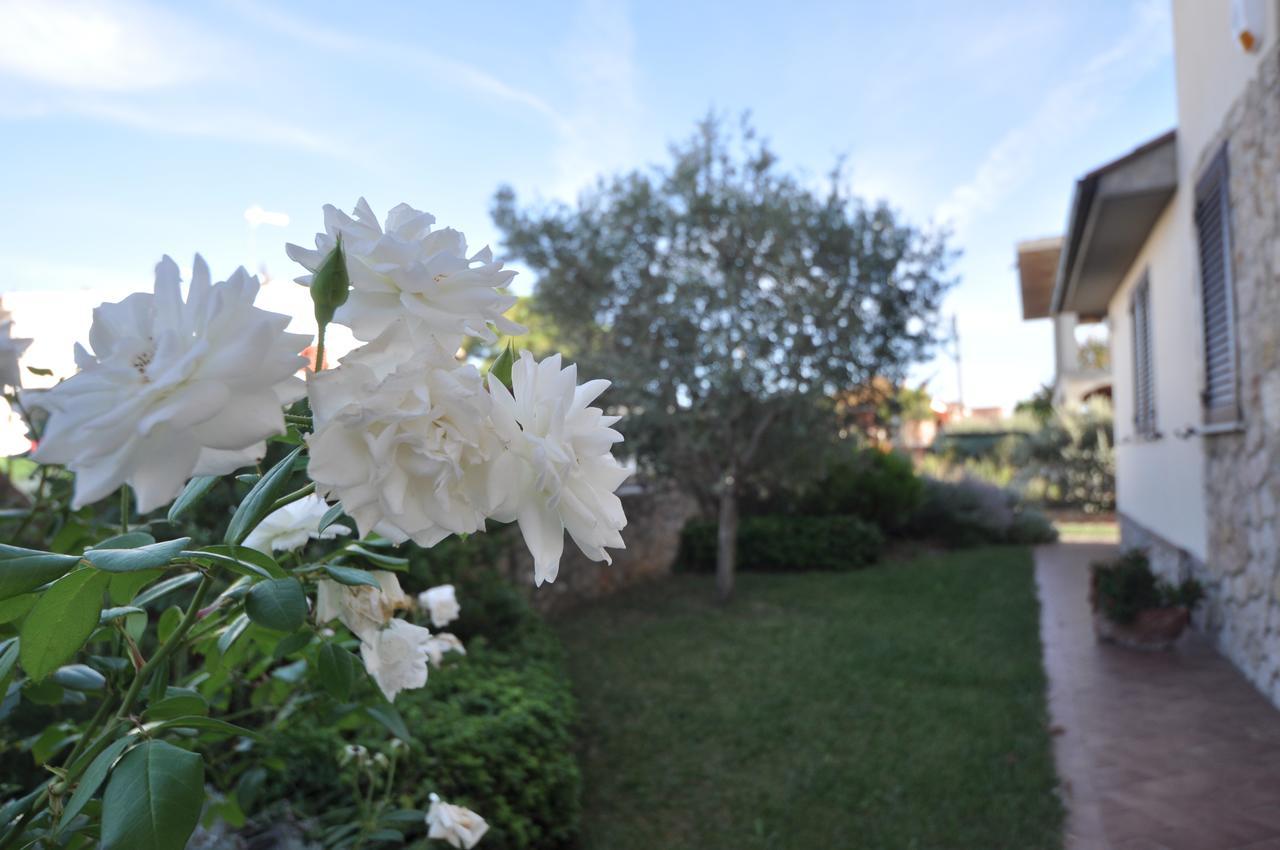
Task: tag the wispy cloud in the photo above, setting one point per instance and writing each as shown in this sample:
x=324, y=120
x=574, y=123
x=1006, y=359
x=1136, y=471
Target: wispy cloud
x=435, y=65
x=1065, y=113
x=110, y=46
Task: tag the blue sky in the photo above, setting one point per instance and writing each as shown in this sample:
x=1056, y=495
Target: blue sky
x=130, y=130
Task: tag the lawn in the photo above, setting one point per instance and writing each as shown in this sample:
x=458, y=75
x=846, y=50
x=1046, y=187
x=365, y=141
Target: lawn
x=900, y=706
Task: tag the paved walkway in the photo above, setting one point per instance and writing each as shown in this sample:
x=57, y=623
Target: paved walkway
x=1156, y=750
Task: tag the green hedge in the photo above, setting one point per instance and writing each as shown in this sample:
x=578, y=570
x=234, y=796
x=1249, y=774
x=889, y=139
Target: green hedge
x=786, y=543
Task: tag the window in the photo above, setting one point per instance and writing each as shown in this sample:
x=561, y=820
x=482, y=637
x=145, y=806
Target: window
x=1144, y=380
x=1220, y=396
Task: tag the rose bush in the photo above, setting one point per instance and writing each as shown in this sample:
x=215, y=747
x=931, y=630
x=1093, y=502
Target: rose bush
x=172, y=639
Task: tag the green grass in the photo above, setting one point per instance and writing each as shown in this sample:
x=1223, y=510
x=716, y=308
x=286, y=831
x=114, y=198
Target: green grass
x=897, y=707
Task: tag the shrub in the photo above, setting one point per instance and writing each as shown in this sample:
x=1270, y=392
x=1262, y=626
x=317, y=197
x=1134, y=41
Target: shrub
x=1031, y=527
x=1126, y=586
x=879, y=487
x=786, y=543
x=494, y=730
x=963, y=513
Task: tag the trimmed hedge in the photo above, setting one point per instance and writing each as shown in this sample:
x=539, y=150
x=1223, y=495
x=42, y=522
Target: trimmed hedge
x=785, y=543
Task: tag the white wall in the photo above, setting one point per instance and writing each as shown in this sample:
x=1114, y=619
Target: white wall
x=1160, y=483
x=1212, y=70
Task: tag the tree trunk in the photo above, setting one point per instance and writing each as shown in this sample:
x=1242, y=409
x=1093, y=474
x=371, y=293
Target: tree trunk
x=727, y=540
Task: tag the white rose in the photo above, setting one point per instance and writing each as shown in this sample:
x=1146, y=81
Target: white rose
x=172, y=389
x=361, y=608
x=401, y=436
x=556, y=472
x=457, y=826
x=442, y=643
x=396, y=657
x=441, y=602
x=292, y=526
x=409, y=270
x=11, y=349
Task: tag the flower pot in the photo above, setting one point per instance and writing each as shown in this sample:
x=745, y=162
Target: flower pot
x=1152, y=629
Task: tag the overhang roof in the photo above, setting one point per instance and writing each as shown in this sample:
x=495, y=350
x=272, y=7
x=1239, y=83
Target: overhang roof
x=1112, y=214
x=1037, y=273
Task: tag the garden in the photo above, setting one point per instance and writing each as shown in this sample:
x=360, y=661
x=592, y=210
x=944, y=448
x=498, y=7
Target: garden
x=252, y=598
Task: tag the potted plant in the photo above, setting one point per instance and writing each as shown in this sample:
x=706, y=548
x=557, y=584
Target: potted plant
x=1134, y=608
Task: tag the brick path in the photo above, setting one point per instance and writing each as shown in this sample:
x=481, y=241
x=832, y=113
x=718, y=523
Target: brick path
x=1156, y=751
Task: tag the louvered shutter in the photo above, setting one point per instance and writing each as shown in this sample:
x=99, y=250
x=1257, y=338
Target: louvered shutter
x=1144, y=379
x=1213, y=225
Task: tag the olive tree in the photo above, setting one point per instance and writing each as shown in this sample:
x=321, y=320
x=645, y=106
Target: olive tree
x=730, y=301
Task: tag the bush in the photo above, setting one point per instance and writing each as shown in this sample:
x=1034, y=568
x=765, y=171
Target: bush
x=1124, y=587
x=494, y=732
x=879, y=487
x=1031, y=527
x=963, y=513
x=785, y=543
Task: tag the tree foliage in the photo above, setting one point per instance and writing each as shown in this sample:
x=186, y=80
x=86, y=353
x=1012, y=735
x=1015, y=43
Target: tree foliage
x=730, y=301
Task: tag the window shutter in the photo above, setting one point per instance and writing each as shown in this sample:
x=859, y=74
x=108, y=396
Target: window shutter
x=1144, y=379
x=1213, y=226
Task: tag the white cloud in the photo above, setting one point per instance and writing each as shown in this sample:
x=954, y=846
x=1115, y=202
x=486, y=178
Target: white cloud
x=256, y=216
x=99, y=46
x=1065, y=113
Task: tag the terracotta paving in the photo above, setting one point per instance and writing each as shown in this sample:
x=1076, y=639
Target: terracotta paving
x=1156, y=751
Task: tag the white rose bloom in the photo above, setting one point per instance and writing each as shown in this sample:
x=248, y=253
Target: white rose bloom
x=401, y=436
x=441, y=602
x=172, y=389
x=11, y=349
x=292, y=526
x=556, y=472
x=361, y=608
x=455, y=825
x=442, y=643
x=397, y=657
x=410, y=270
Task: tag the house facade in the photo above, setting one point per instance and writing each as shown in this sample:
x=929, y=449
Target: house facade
x=1176, y=247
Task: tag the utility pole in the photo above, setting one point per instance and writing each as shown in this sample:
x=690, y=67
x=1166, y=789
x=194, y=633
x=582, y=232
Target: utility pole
x=955, y=354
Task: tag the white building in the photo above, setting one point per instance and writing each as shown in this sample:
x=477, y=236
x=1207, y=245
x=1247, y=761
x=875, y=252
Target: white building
x=1176, y=246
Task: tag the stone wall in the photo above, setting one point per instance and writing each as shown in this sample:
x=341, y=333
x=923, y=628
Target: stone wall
x=655, y=516
x=1243, y=466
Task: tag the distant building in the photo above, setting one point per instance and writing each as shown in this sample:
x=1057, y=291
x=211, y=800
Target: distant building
x=1175, y=246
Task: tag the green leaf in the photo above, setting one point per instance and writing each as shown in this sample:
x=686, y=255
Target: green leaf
x=337, y=670
x=22, y=570
x=330, y=285
x=153, y=799
x=128, y=540
x=109, y=614
x=12, y=610
x=239, y=559
x=168, y=622
x=195, y=490
x=350, y=576
x=278, y=604
x=167, y=586
x=291, y=644
x=330, y=517
x=79, y=677
x=125, y=586
x=389, y=561
x=178, y=702
x=61, y=621
x=149, y=557
x=232, y=633
x=390, y=718
x=257, y=502
x=8, y=661
x=93, y=777
x=203, y=724
x=501, y=368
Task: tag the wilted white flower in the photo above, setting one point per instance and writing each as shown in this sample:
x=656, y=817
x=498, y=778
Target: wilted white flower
x=292, y=526
x=11, y=349
x=361, y=608
x=172, y=389
x=410, y=270
x=353, y=752
x=441, y=602
x=556, y=472
x=457, y=826
x=401, y=435
x=442, y=643
x=396, y=657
